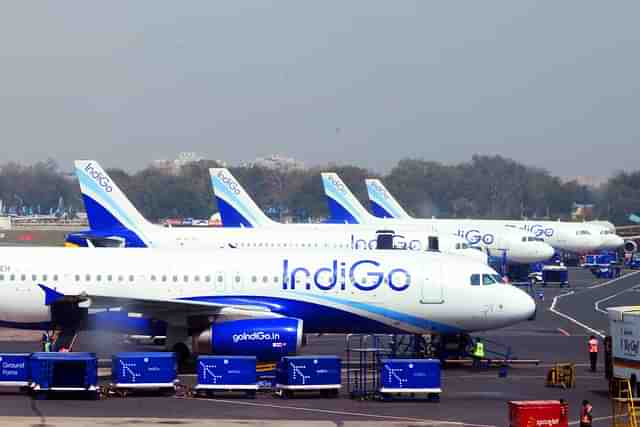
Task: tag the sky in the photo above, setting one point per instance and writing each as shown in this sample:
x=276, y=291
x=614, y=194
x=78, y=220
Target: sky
x=552, y=84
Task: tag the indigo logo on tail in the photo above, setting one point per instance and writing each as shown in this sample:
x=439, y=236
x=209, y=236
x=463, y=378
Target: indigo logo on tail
x=233, y=186
x=99, y=177
x=364, y=275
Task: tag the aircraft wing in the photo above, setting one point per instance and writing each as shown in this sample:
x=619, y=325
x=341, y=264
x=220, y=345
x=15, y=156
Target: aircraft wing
x=157, y=307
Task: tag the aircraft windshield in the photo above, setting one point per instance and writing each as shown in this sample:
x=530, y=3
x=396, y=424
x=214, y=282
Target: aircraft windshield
x=485, y=279
x=583, y=233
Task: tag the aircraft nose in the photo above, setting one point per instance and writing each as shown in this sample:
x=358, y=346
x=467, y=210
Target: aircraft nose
x=546, y=251
x=521, y=306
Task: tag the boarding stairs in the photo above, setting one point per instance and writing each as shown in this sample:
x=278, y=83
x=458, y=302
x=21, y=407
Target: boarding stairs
x=65, y=339
x=625, y=408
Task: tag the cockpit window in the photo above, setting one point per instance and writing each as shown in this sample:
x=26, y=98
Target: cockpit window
x=498, y=278
x=583, y=233
x=475, y=280
x=488, y=279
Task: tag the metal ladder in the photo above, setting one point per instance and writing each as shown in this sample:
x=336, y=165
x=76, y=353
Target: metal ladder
x=624, y=409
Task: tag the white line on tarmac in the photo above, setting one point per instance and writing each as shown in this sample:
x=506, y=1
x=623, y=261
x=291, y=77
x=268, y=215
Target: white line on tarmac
x=328, y=411
x=573, y=423
x=624, y=276
x=596, y=306
x=569, y=318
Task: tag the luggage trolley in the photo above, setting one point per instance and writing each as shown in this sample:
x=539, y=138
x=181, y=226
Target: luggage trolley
x=364, y=352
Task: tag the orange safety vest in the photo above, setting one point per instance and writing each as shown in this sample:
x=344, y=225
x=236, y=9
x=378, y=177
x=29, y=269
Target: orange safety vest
x=593, y=346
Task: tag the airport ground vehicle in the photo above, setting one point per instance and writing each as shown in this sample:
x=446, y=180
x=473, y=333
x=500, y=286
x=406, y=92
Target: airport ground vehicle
x=624, y=328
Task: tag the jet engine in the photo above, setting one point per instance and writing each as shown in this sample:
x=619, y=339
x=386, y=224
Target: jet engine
x=630, y=246
x=267, y=339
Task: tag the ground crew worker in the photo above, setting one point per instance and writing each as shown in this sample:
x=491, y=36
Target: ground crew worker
x=478, y=353
x=43, y=341
x=593, y=352
x=586, y=414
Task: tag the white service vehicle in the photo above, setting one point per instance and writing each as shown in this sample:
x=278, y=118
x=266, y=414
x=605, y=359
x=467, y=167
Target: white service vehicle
x=624, y=327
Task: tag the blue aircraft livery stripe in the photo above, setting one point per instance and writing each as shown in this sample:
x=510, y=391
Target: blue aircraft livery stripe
x=379, y=211
x=321, y=318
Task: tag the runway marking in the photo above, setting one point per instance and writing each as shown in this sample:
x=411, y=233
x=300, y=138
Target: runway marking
x=624, y=276
x=569, y=318
x=596, y=306
x=563, y=332
x=332, y=412
x=579, y=323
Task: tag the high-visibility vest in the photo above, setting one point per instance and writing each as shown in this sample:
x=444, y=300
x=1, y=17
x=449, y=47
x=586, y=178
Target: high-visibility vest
x=593, y=346
x=479, y=350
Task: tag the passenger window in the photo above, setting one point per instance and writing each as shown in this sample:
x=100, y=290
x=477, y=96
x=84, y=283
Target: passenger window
x=164, y=278
x=1, y=277
x=55, y=277
x=12, y=277
x=87, y=277
x=220, y=278
x=23, y=278
x=207, y=278
x=77, y=277
x=275, y=279
x=265, y=279
x=186, y=279
x=175, y=278
x=153, y=278
x=196, y=279
x=98, y=278
x=131, y=278
x=110, y=278
x=475, y=280
x=34, y=278
x=237, y=279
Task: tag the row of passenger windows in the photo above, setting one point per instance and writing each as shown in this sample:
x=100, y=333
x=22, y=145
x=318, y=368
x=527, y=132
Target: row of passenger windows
x=292, y=245
x=532, y=239
x=485, y=279
x=131, y=278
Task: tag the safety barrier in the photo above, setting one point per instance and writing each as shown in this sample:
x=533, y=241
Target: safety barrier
x=562, y=375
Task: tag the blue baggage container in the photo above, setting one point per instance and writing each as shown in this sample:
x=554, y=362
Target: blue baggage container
x=235, y=373
x=144, y=370
x=15, y=370
x=64, y=372
x=308, y=373
x=410, y=376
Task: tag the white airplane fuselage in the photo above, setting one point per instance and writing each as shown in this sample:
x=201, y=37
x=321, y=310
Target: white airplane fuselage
x=356, y=292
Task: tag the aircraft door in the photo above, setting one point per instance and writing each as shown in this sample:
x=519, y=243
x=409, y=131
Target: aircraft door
x=432, y=285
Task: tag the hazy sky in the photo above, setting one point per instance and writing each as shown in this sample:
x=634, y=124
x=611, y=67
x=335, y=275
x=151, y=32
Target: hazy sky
x=549, y=83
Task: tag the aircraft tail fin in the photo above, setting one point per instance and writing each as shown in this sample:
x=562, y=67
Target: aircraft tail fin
x=237, y=208
x=343, y=205
x=383, y=204
x=107, y=206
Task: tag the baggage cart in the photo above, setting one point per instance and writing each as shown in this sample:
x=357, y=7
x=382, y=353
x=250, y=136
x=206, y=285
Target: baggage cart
x=226, y=373
x=409, y=377
x=64, y=372
x=144, y=371
x=555, y=274
x=548, y=413
x=308, y=373
x=14, y=369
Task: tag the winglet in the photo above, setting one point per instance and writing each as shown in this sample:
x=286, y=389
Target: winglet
x=383, y=204
x=51, y=296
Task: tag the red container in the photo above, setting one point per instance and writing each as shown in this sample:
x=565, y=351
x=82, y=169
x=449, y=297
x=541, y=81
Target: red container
x=538, y=413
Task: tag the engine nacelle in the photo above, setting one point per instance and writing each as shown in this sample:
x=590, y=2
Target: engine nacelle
x=630, y=246
x=267, y=339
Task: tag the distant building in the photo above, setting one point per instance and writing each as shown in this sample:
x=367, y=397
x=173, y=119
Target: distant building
x=173, y=167
x=276, y=162
x=587, y=181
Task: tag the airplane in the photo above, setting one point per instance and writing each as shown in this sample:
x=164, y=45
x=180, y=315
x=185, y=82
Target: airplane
x=115, y=222
x=257, y=302
x=573, y=237
x=516, y=245
x=238, y=209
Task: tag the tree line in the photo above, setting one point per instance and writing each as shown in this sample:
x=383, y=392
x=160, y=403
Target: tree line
x=484, y=187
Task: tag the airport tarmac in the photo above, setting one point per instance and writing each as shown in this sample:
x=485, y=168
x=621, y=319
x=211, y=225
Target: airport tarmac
x=470, y=397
